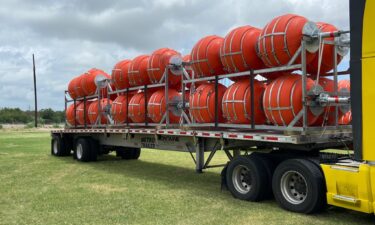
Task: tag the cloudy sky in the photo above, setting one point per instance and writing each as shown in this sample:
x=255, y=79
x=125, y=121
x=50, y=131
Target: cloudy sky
x=69, y=37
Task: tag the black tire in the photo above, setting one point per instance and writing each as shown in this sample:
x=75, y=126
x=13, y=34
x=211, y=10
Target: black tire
x=128, y=153
x=69, y=145
x=58, y=146
x=136, y=153
x=247, y=178
x=298, y=186
x=95, y=148
x=82, y=150
x=269, y=165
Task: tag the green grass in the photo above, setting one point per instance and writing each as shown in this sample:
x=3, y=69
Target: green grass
x=159, y=188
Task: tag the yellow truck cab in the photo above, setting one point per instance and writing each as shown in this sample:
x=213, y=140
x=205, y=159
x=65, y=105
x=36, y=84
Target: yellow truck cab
x=351, y=183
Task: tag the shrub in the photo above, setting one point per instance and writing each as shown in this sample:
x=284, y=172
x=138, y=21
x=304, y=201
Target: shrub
x=29, y=125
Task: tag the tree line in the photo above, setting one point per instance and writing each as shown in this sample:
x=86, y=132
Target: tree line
x=45, y=116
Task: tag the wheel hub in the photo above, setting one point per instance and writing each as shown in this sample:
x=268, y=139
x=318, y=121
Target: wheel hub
x=241, y=179
x=247, y=179
x=300, y=186
x=55, y=149
x=79, y=151
x=294, y=187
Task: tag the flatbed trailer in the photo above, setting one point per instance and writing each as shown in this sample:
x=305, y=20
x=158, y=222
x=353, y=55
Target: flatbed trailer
x=198, y=142
x=283, y=161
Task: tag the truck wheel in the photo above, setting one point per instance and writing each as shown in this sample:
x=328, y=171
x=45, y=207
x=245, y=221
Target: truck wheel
x=58, y=146
x=247, y=178
x=136, y=153
x=298, y=186
x=69, y=145
x=129, y=153
x=95, y=148
x=82, y=151
x=269, y=165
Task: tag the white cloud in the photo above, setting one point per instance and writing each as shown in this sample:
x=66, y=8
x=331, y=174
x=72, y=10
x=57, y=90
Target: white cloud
x=72, y=36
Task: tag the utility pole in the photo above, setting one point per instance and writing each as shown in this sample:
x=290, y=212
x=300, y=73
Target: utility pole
x=35, y=98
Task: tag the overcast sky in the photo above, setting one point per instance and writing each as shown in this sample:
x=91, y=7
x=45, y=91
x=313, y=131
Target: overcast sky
x=69, y=37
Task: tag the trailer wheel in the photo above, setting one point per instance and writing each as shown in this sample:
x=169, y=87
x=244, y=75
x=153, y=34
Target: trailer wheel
x=247, y=178
x=95, y=148
x=58, y=146
x=128, y=153
x=269, y=166
x=136, y=153
x=82, y=151
x=298, y=186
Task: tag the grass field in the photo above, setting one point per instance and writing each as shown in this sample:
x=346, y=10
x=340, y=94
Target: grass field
x=159, y=188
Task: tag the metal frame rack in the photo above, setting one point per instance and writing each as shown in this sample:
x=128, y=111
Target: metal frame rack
x=187, y=123
x=192, y=137
x=103, y=84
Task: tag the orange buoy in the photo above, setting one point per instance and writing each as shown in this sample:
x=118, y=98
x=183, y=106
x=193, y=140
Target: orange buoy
x=327, y=50
x=344, y=111
x=90, y=79
x=119, y=109
x=75, y=87
x=82, y=113
x=156, y=106
x=157, y=63
x=236, y=103
x=346, y=118
x=120, y=74
x=274, y=75
x=280, y=40
x=344, y=86
x=93, y=112
x=69, y=114
x=137, y=72
x=282, y=100
x=205, y=56
x=202, y=103
x=137, y=108
x=189, y=70
x=238, y=52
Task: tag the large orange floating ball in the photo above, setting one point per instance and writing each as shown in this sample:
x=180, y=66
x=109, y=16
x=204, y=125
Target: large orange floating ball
x=205, y=57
